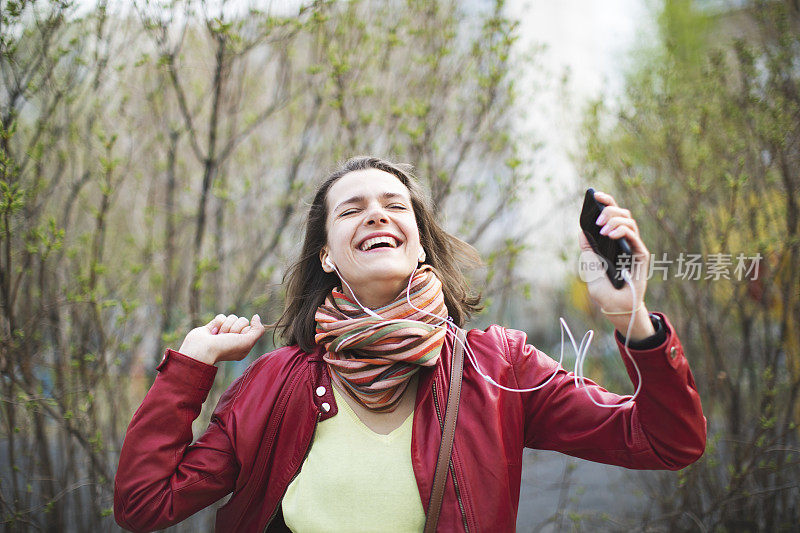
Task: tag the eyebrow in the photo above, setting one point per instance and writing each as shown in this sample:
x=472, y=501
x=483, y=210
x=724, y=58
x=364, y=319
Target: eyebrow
x=360, y=198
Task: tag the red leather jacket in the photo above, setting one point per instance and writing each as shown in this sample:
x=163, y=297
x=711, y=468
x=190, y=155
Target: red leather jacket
x=264, y=423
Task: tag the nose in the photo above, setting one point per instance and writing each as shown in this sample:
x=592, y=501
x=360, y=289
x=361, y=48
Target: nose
x=376, y=215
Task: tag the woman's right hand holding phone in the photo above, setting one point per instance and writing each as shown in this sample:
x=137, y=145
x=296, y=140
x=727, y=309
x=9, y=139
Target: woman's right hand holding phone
x=225, y=338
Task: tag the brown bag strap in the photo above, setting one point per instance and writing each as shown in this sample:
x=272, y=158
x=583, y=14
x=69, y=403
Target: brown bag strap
x=446, y=447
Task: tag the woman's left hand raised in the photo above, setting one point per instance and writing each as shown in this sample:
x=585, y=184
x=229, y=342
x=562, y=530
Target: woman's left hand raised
x=617, y=222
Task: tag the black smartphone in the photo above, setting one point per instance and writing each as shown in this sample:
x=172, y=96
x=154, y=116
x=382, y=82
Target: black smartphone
x=616, y=252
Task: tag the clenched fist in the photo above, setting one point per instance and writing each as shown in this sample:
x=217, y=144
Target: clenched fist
x=225, y=338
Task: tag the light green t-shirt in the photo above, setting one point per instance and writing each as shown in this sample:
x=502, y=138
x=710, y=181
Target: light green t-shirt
x=354, y=479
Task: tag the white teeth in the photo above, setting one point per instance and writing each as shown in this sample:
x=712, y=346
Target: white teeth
x=369, y=243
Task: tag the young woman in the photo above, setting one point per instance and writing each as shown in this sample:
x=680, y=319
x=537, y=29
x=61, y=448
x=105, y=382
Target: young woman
x=340, y=430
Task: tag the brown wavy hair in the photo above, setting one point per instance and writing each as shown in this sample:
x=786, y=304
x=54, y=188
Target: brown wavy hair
x=307, y=285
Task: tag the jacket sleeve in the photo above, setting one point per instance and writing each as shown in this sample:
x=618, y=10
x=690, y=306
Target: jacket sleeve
x=162, y=479
x=664, y=428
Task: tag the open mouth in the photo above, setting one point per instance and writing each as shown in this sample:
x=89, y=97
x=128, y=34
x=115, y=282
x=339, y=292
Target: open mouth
x=381, y=241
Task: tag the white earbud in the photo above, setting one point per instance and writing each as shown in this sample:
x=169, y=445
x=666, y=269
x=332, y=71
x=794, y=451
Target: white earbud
x=578, y=378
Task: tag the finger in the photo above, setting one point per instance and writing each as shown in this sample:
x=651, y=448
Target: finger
x=240, y=345
x=240, y=323
x=615, y=224
x=256, y=320
x=256, y=328
x=215, y=323
x=612, y=211
x=228, y=323
x=604, y=198
x=634, y=239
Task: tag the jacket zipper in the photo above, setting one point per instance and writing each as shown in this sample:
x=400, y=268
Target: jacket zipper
x=297, y=473
x=451, y=465
x=283, y=400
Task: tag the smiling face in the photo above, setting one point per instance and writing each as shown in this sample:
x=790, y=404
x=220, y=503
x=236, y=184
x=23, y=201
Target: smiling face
x=373, y=237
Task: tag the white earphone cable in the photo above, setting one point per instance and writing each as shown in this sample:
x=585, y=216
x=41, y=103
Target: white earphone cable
x=580, y=351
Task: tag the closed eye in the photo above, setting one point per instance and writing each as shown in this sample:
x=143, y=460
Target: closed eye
x=348, y=212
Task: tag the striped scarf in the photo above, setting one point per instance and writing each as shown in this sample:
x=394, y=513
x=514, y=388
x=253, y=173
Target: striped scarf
x=374, y=360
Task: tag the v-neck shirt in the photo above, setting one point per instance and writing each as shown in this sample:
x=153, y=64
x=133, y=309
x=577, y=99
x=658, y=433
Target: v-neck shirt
x=355, y=479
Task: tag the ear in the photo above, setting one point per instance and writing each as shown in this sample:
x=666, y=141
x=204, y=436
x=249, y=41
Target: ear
x=325, y=260
x=421, y=256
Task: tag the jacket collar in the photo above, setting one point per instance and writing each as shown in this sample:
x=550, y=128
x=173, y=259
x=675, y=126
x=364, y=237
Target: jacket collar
x=441, y=368
x=316, y=355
